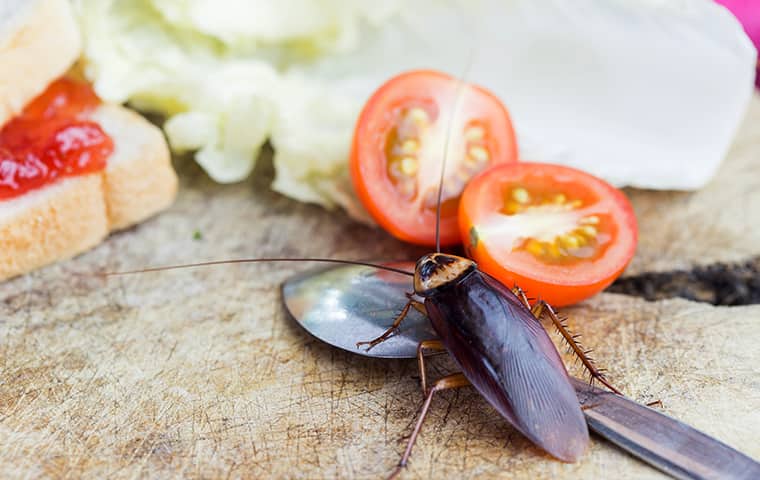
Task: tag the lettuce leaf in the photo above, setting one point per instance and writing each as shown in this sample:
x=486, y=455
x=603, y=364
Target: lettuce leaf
x=640, y=92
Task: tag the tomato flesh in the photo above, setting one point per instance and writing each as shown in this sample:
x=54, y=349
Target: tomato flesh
x=404, y=132
x=559, y=233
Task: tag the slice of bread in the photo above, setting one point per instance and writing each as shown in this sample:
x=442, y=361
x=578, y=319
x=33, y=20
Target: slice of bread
x=70, y=216
x=39, y=41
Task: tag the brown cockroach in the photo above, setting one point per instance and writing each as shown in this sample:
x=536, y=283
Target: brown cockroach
x=495, y=336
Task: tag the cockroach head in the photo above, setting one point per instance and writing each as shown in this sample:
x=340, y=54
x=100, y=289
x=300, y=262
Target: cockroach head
x=437, y=270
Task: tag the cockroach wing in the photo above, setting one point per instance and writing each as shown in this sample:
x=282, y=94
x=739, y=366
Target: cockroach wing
x=509, y=358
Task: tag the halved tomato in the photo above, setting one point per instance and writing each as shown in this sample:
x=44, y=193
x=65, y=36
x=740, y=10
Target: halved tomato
x=401, y=139
x=560, y=234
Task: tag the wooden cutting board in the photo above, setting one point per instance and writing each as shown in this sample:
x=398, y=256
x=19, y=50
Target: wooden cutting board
x=201, y=374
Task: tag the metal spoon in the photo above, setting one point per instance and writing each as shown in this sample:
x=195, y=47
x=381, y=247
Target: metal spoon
x=341, y=305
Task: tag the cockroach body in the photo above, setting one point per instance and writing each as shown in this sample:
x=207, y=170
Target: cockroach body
x=504, y=352
x=497, y=339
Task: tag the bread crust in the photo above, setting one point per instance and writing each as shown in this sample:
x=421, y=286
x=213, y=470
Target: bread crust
x=50, y=224
x=39, y=43
x=139, y=180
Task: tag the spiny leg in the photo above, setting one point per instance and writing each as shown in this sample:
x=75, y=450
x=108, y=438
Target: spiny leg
x=541, y=308
x=396, y=323
x=435, y=345
x=520, y=294
x=451, y=381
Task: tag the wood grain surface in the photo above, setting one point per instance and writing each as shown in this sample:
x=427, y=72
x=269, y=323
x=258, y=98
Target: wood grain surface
x=200, y=374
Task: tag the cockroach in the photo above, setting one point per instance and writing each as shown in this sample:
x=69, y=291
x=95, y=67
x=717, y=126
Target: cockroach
x=495, y=336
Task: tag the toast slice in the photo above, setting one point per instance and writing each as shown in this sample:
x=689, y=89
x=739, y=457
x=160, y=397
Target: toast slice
x=39, y=42
x=72, y=215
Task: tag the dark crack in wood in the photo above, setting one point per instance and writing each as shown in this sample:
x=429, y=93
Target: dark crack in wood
x=718, y=284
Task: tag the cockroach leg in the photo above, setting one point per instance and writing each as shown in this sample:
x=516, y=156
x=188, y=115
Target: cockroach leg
x=434, y=345
x=538, y=309
x=419, y=306
x=396, y=323
x=542, y=308
x=656, y=402
x=456, y=380
x=520, y=293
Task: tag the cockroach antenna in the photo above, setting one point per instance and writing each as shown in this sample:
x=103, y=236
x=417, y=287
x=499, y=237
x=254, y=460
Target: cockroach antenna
x=256, y=260
x=461, y=85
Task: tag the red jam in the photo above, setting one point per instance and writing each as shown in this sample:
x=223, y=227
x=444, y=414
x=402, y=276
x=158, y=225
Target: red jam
x=52, y=139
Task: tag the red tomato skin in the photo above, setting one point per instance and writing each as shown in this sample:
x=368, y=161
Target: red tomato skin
x=368, y=165
x=558, y=290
